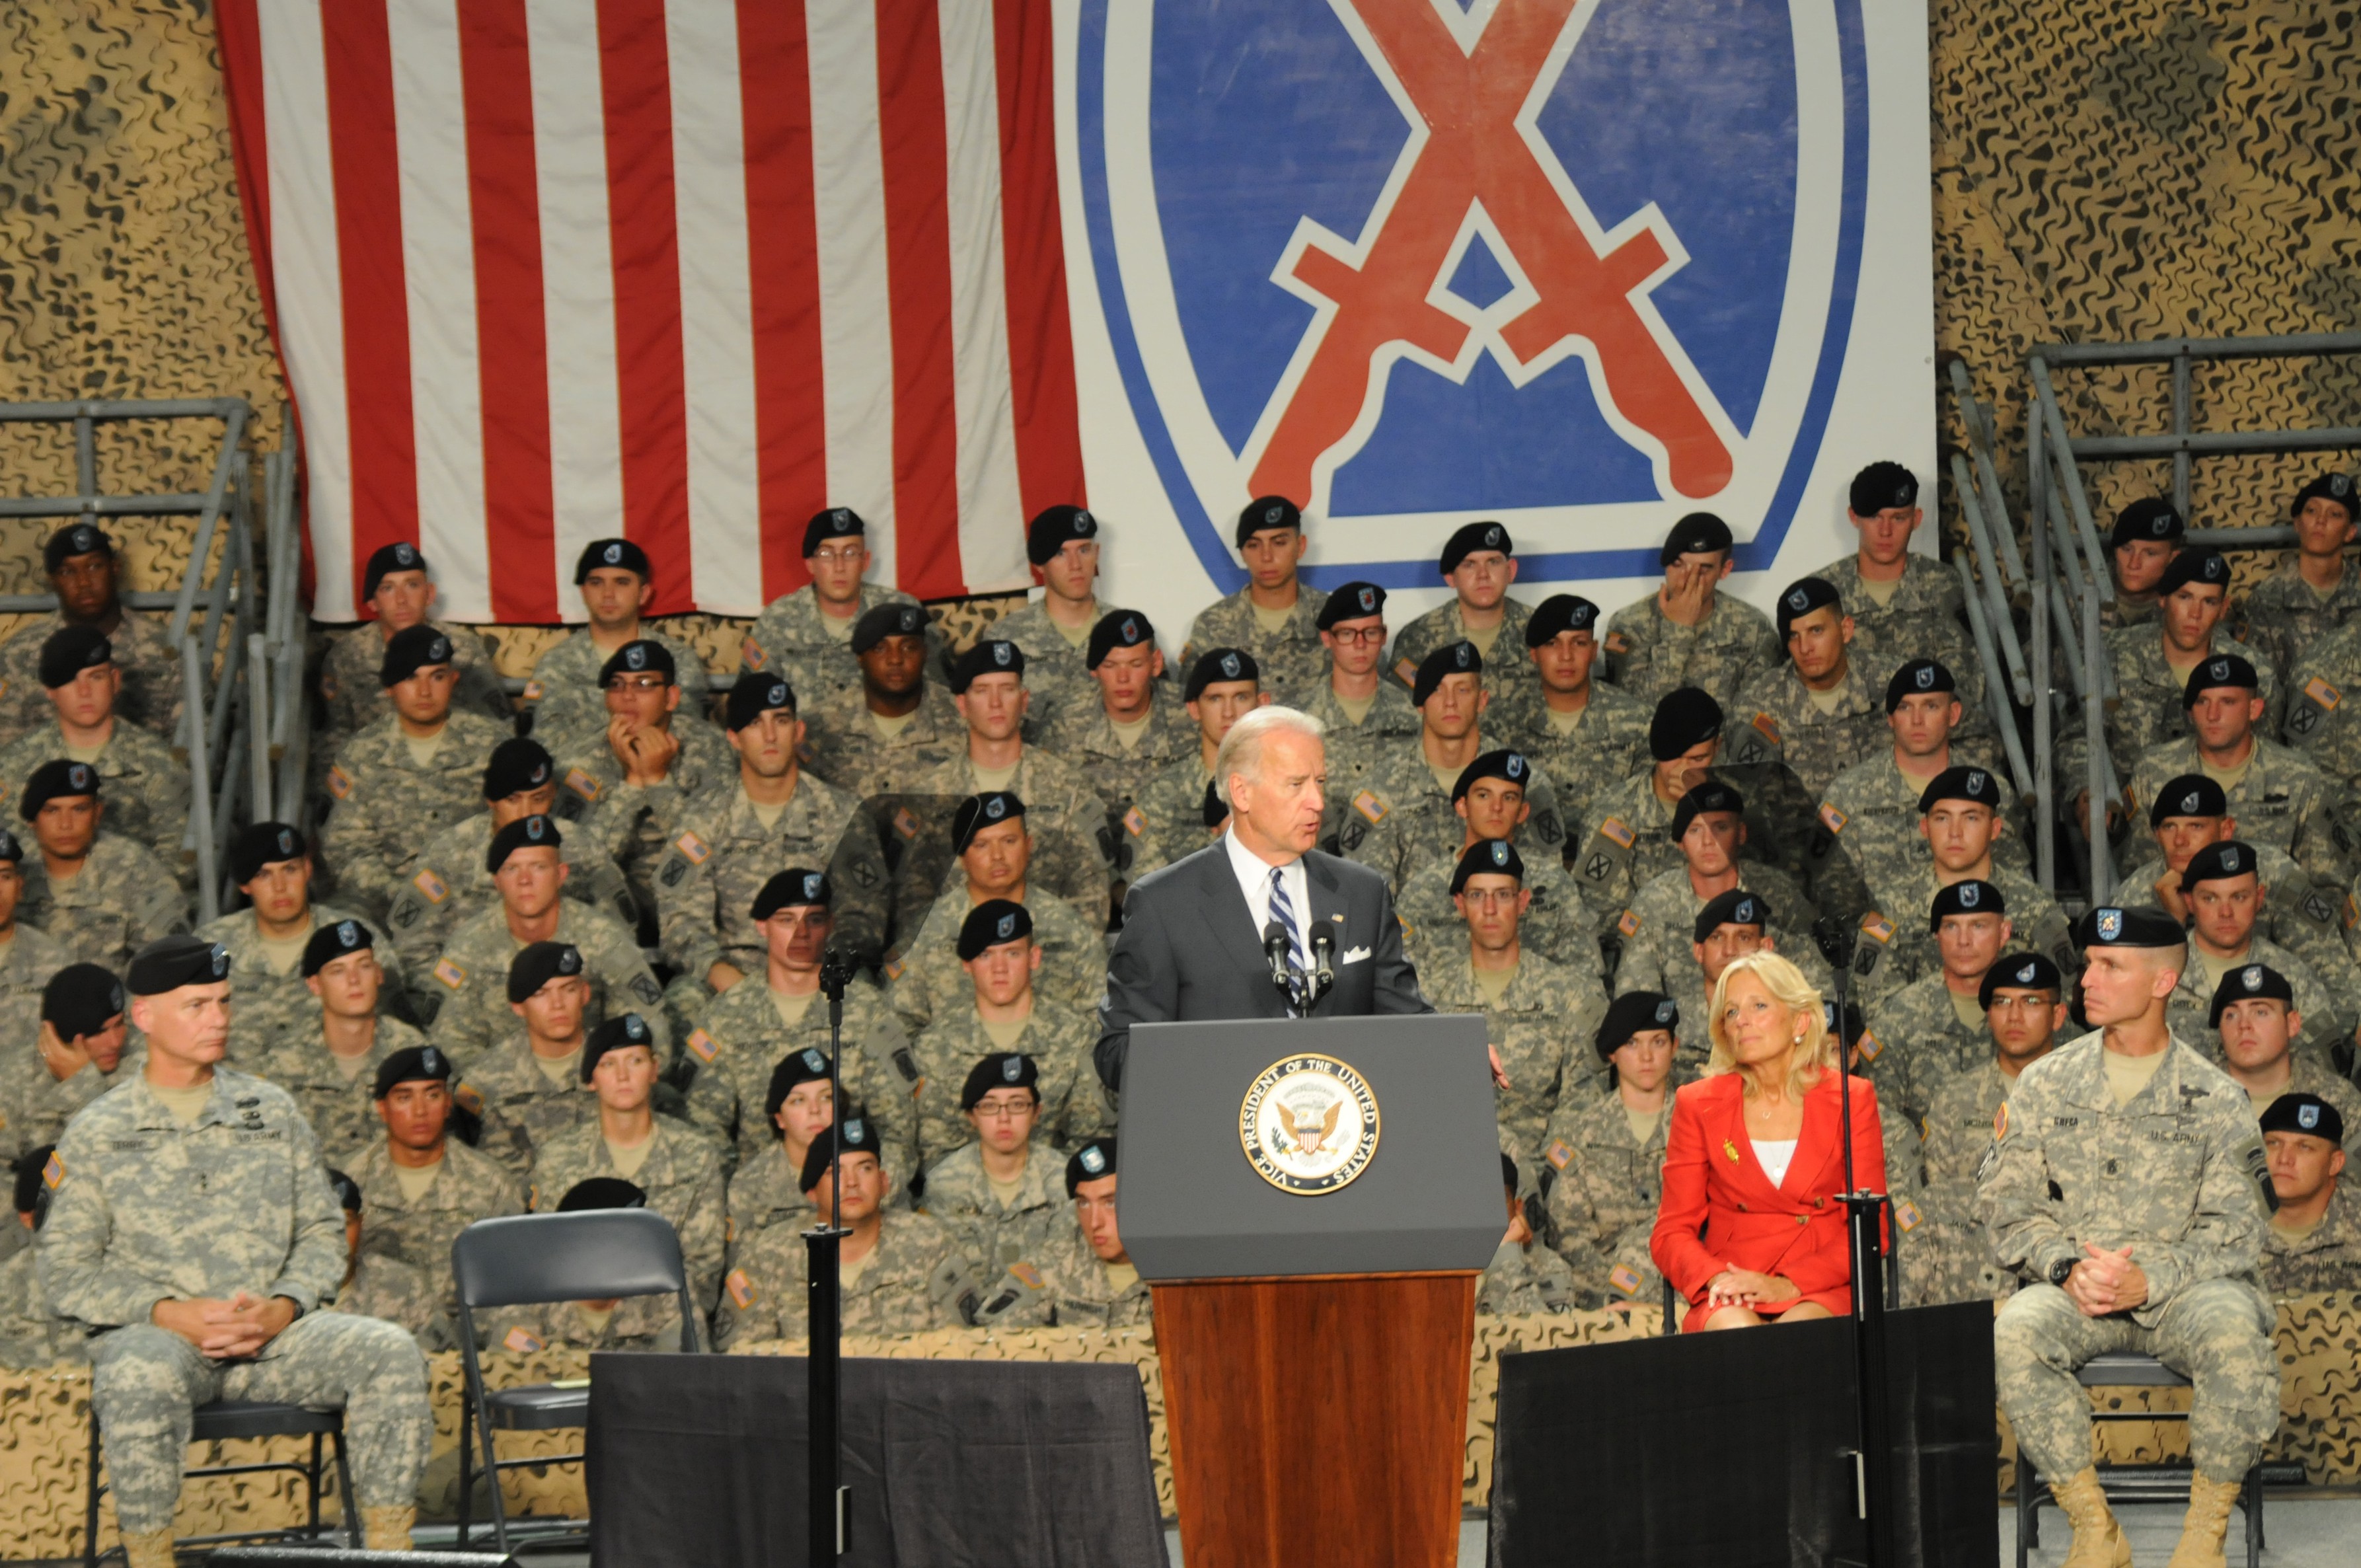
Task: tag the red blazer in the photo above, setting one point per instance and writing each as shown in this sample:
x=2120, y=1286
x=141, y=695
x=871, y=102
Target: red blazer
x=1719, y=1210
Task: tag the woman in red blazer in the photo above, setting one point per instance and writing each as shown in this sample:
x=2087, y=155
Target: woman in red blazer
x=1751, y=1225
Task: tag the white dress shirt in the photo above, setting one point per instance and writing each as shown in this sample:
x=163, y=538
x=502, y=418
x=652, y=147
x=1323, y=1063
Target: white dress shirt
x=1254, y=881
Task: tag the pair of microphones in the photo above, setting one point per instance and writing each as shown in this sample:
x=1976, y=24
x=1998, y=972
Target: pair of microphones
x=1303, y=992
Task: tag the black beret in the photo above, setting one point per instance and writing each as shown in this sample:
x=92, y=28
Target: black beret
x=2336, y=487
x=2248, y=983
x=1501, y=765
x=2201, y=566
x=399, y=556
x=1266, y=511
x=1916, y=678
x=1215, y=665
x=2306, y=1114
x=1883, y=486
x=535, y=831
x=2019, y=971
x=1803, y=597
x=991, y=923
x=2137, y=926
x=29, y=1187
x=619, y=554
x=1557, y=613
x=70, y=650
x=1979, y=786
x=12, y=849
x=1116, y=628
x=1092, y=1160
x=990, y=656
x=2151, y=519
x=1710, y=795
x=1214, y=809
x=538, y=963
x=797, y=887
x=518, y=765
x=1487, y=857
x=880, y=621
x=978, y=812
x=2220, y=673
x=169, y=963
x=347, y=1190
x=411, y=1064
x=2219, y=862
x=1735, y=907
x=411, y=650
x=1469, y=537
x=1684, y=716
x=753, y=695
x=1459, y=658
x=1699, y=533
x=263, y=844
x=81, y=539
x=641, y=656
x=1631, y=1013
x=855, y=1134
x=836, y=522
x=1052, y=527
x=622, y=1030
x=602, y=1192
x=59, y=778
x=1002, y=1069
x=1973, y=897
x=2187, y=794
x=1351, y=601
x=333, y=941
x=80, y=999
x=1850, y=1026
x=796, y=1068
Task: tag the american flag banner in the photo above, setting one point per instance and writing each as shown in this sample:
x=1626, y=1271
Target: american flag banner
x=684, y=270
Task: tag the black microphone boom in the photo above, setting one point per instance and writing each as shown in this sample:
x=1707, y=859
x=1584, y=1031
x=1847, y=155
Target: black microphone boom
x=1275, y=947
x=1323, y=970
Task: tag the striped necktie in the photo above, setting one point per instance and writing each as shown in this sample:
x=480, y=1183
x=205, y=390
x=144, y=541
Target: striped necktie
x=1282, y=909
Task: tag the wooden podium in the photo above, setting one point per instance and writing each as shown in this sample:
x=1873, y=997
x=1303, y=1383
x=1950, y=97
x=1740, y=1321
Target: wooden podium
x=1314, y=1334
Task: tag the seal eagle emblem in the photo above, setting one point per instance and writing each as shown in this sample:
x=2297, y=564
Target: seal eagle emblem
x=1309, y=1125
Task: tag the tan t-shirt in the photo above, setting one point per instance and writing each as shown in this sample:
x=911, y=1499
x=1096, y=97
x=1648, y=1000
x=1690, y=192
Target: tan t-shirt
x=414, y=1180
x=1121, y=1276
x=1881, y=594
x=565, y=1069
x=2298, y=1234
x=1127, y=736
x=1355, y=708
x=282, y=956
x=990, y=779
x=629, y=1157
x=84, y=753
x=1077, y=637
x=1642, y=1124
x=890, y=727
x=1272, y=621
x=1004, y=1034
x=185, y=1104
x=791, y=1009
x=1825, y=701
x=1486, y=638
x=1005, y=1193
x=422, y=747
x=1565, y=723
x=1966, y=1009
x=2230, y=778
x=1493, y=984
x=2126, y=1076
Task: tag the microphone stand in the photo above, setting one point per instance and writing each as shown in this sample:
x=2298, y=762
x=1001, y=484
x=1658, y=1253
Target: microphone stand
x=1275, y=947
x=1323, y=978
x=824, y=1363
x=1873, y=1461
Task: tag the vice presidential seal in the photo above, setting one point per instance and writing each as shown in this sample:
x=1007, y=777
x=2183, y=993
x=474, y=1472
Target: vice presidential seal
x=1309, y=1125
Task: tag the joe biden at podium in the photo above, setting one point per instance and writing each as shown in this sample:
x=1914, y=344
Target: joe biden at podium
x=1258, y=924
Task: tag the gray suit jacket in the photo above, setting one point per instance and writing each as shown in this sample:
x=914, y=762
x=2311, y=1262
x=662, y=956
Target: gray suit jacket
x=1189, y=951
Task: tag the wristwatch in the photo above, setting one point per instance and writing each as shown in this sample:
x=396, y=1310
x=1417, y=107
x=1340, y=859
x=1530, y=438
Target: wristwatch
x=2060, y=1270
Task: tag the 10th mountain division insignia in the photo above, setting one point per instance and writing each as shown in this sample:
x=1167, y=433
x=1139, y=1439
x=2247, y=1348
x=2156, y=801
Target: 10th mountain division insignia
x=1309, y=1125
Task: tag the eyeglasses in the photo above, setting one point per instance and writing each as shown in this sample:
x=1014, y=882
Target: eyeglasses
x=638, y=683
x=1003, y=1109
x=839, y=557
x=1347, y=634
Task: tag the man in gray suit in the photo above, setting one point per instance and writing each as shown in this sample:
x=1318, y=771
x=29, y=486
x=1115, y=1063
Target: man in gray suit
x=1202, y=936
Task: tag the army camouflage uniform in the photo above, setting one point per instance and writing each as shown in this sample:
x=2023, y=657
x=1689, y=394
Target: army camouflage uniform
x=1074, y=847
x=766, y=1190
x=996, y=1235
x=925, y=1114
x=915, y=1279
x=1914, y=1043
x=1953, y=1256
x=566, y=705
x=1896, y=947
x=926, y=977
x=121, y=900
x=1082, y=737
x=382, y=1287
x=2306, y=1075
x=474, y=974
x=357, y=699
x=1775, y=720
x=28, y=959
x=1507, y=670
x=1528, y=1278
x=2328, y=1018
x=632, y=824
x=2147, y=712
x=1608, y=744
x=467, y=1186
x=387, y=807
x=1631, y=844
x=2282, y=800
x=1293, y=661
x=1169, y=811
x=1601, y=1195
x=1556, y=925
x=1353, y=751
x=145, y=792
x=1055, y=669
x=1658, y=928
x=32, y=1337
x=341, y=1108
x=1063, y=1284
x=1925, y=619
x=683, y=1179
x=1402, y=818
x=1873, y=810
x=2303, y=915
x=34, y=1107
x=1647, y=655
x=2178, y=1175
x=2287, y=620
x=1542, y=1026
x=843, y=745
x=152, y=691
x=792, y=638
x=2320, y=723
x=2327, y=1257
x=506, y=1086
x=146, y=1207
x=742, y=1040
x=637, y=1322
x=720, y=856
x=265, y=1002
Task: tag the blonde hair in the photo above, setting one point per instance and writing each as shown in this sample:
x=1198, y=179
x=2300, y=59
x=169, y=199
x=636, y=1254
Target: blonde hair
x=1241, y=749
x=1787, y=985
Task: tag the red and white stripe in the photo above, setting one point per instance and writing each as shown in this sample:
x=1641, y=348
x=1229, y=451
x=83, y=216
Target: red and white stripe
x=684, y=270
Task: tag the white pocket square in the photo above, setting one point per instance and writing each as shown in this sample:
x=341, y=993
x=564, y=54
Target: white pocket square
x=1355, y=955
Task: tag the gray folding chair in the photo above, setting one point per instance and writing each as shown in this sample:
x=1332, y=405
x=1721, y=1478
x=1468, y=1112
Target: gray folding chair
x=595, y=1255
x=226, y=1421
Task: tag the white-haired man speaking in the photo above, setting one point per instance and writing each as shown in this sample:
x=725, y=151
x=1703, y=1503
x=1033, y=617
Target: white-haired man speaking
x=1203, y=938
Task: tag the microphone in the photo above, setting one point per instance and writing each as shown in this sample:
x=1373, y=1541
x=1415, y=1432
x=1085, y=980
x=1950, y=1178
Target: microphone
x=1275, y=949
x=1324, y=973
x=1835, y=939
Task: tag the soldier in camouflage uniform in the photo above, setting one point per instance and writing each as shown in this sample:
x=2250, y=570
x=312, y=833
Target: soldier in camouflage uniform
x=80, y=560
x=1525, y=1276
x=904, y=1272
x=2127, y=1182
x=565, y=702
x=192, y=1232
x=2320, y=723
x=1922, y=1035
x=2256, y=1028
x=1783, y=718
x=2223, y=893
x=147, y=790
x=1533, y=1008
x=802, y=636
x=98, y=896
x=2146, y=536
x=1367, y=714
x=637, y=1322
x=395, y=584
x=1489, y=798
x=525, y=867
x=766, y=1188
x=678, y=1166
x=1632, y=842
x=874, y=735
x=1276, y=616
x=325, y=1054
x=2315, y=592
x=28, y=954
x=997, y=1193
x=377, y=1286
x=1872, y=806
x=74, y=1055
x=1689, y=634
x=1081, y=1277
x=1119, y=730
x=1904, y=606
x=2278, y=797
x=1709, y=830
x=1604, y=1151
x=407, y=773
x=270, y=863
x=1479, y=563
x=32, y=1336
x=2314, y=1240
x=1223, y=686
x=1062, y=543
x=1583, y=734
x=532, y=1084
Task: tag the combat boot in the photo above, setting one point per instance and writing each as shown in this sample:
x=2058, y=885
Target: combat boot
x=2098, y=1540
x=2207, y=1521
x=388, y=1529
x=150, y=1549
